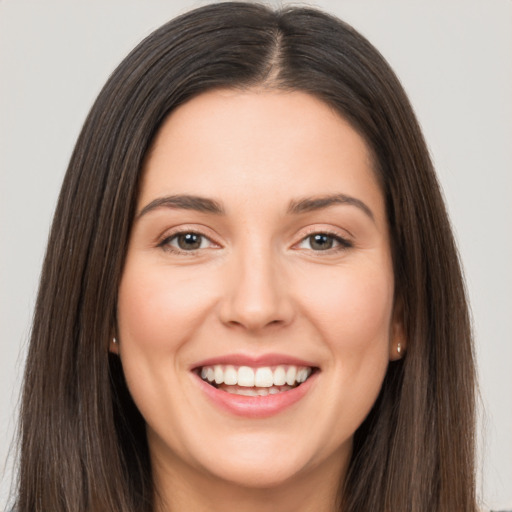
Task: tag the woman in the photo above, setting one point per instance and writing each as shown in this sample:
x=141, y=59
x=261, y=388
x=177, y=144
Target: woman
x=251, y=295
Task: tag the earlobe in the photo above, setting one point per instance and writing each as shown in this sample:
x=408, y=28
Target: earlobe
x=398, y=345
x=114, y=346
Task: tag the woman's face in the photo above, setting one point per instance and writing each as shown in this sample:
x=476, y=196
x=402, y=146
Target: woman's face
x=259, y=256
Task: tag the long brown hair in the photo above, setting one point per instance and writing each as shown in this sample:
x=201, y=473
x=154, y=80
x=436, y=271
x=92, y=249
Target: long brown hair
x=82, y=441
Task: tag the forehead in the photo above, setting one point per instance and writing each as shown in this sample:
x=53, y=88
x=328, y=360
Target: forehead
x=272, y=143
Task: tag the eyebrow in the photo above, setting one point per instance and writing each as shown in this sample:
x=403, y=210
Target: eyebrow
x=295, y=207
x=309, y=204
x=184, y=202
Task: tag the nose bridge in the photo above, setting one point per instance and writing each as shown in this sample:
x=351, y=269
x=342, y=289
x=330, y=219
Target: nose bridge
x=256, y=295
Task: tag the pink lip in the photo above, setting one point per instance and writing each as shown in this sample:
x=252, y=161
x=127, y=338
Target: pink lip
x=255, y=406
x=254, y=361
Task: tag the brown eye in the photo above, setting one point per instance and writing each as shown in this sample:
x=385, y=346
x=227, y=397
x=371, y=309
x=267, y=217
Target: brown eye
x=321, y=242
x=186, y=241
x=189, y=241
x=324, y=242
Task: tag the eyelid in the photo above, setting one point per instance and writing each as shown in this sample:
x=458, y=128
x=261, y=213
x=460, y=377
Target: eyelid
x=168, y=235
x=344, y=242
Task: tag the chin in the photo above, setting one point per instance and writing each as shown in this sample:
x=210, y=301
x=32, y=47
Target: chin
x=259, y=474
x=266, y=462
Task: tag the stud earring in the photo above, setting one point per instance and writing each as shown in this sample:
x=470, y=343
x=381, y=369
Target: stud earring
x=399, y=348
x=114, y=340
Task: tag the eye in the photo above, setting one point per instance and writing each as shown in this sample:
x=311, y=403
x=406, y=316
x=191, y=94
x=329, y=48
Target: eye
x=186, y=242
x=323, y=242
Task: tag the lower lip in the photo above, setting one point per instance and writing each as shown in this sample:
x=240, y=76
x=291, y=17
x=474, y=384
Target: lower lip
x=256, y=406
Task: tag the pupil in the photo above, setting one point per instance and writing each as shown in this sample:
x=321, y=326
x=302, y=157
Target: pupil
x=321, y=242
x=189, y=241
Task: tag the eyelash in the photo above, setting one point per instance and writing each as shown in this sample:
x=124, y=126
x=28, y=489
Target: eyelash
x=342, y=244
x=165, y=244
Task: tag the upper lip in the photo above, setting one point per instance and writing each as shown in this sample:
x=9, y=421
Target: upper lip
x=254, y=361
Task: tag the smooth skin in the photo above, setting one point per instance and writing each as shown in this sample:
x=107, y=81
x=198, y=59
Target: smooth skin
x=253, y=279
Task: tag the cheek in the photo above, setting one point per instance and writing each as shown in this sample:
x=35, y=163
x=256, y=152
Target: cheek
x=160, y=308
x=353, y=313
x=352, y=308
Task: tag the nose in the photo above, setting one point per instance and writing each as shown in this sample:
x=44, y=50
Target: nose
x=256, y=292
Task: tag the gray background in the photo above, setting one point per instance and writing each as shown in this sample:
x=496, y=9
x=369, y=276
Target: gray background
x=455, y=61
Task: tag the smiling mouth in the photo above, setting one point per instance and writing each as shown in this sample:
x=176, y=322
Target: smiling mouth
x=260, y=381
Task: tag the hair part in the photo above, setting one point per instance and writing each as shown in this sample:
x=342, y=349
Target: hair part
x=83, y=443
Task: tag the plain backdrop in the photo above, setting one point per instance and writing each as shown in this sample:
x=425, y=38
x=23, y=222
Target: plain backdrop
x=455, y=61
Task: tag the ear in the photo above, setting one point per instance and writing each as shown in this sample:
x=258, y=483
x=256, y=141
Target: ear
x=397, y=338
x=114, y=346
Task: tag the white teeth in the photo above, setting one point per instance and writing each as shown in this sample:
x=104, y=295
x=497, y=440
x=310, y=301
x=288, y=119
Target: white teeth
x=302, y=375
x=291, y=373
x=279, y=376
x=236, y=390
x=262, y=377
x=219, y=374
x=246, y=377
x=247, y=392
x=230, y=375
